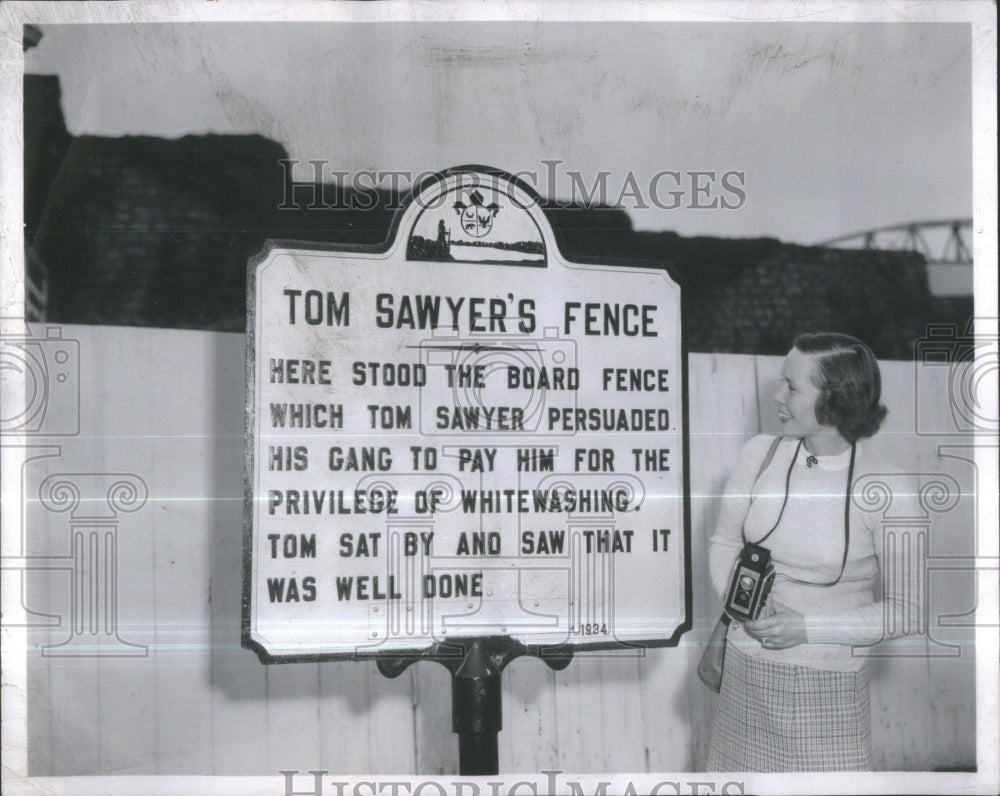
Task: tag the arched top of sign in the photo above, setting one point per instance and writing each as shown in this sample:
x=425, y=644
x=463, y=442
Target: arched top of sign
x=471, y=216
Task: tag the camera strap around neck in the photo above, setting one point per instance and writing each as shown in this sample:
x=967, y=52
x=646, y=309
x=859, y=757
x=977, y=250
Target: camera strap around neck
x=726, y=618
x=788, y=477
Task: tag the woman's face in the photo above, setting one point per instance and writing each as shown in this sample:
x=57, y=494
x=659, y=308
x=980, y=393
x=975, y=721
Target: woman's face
x=797, y=394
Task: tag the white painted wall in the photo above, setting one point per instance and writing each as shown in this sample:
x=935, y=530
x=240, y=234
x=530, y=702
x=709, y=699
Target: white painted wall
x=168, y=407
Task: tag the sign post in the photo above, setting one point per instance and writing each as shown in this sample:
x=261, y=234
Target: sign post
x=463, y=447
x=475, y=666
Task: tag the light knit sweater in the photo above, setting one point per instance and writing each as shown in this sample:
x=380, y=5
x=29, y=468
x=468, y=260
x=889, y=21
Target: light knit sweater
x=808, y=545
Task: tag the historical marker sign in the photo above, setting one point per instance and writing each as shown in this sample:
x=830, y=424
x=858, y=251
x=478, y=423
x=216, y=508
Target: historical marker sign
x=463, y=435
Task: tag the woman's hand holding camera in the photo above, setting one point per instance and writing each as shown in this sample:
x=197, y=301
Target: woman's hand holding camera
x=780, y=629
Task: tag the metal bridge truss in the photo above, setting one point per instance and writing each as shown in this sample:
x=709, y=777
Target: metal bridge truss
x=943, y=242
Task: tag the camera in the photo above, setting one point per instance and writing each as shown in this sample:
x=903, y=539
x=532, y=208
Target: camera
x=751, y=583
x=50, y=368
x=962, y=365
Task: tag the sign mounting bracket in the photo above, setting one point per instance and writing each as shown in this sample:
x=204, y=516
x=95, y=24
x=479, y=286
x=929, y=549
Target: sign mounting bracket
x=476, y=665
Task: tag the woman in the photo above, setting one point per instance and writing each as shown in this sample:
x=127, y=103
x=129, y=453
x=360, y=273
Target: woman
x=794, y=694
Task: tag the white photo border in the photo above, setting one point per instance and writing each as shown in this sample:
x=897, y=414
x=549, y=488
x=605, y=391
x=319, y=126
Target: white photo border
x=982, y=18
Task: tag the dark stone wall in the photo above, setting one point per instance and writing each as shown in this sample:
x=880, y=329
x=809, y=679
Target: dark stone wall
x=755, y=295
x=151, y=232
x=145, y=231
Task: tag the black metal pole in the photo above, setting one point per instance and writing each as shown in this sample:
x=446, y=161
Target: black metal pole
x=476, y=665
x=478, y=754
x=476, y=714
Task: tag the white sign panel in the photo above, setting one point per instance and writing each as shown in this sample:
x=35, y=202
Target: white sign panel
x=463, y=435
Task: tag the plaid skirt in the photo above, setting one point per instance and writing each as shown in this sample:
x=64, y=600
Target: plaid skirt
x=776, y=717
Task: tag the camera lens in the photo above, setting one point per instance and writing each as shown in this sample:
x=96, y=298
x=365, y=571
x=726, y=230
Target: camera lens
x=746, y=582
